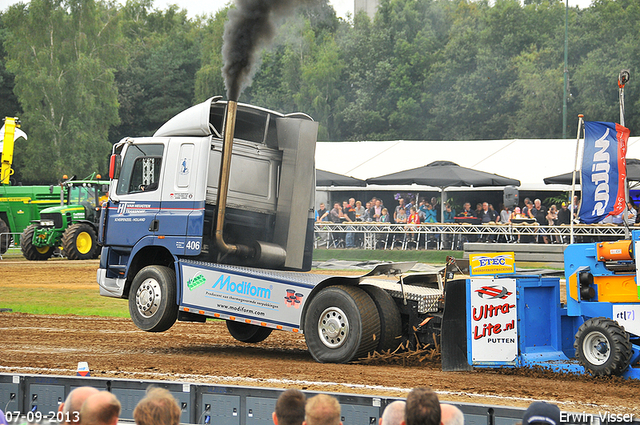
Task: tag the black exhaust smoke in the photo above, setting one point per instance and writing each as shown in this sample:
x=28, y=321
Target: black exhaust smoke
x=251, y=26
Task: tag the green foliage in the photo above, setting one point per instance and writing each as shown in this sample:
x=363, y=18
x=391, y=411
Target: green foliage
x=63, y=56
x=159, y=79
x=557, y=200
x=208, y=79
x=9, y=105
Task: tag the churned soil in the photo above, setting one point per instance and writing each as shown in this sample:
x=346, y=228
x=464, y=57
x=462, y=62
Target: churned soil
x=205, y=352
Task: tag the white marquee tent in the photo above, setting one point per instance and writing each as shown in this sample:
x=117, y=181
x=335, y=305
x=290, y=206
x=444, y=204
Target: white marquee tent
x=528, y=160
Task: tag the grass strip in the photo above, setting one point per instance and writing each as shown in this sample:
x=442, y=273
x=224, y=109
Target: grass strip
x=43, y=300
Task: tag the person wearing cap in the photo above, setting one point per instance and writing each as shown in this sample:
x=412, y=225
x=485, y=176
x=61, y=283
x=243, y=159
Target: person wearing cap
x=541, y=413
x=516, y=213
x=564, y=217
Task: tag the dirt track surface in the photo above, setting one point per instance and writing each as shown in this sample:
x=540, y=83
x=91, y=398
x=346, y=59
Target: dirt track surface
x=197, y=352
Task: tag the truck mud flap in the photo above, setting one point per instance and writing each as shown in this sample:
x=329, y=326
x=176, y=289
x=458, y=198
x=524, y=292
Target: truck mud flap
x=453, y=341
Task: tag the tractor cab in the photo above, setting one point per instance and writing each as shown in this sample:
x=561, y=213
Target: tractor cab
x=71, y=225
x=89, y=195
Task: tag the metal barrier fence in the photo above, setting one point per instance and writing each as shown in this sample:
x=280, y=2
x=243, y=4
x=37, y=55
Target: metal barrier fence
x=36, y=398
x=452, y=235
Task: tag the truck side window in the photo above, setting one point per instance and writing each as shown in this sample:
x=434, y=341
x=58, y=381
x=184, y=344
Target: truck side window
x=140, y=169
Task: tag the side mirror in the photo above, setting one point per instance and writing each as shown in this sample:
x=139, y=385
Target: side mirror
x=114, y=166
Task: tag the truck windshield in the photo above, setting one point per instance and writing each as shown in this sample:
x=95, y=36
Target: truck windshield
x=140, y=169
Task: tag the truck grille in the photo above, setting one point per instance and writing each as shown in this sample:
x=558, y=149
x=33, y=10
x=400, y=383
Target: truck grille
x=55, y=217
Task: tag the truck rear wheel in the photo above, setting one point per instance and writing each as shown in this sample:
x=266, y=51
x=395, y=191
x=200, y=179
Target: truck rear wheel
x=245, y=332
x=5, y=237
x=79, y=242
x=29, y=250
x=390, y=320
x=152, y=299
x=341, y=324
x=603, y=347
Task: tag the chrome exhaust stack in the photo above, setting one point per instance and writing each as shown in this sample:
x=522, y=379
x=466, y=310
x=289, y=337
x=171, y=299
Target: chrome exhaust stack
x=263, y=253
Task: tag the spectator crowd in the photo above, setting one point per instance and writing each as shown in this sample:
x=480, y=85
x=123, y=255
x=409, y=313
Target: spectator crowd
x=430, y=211
x=89, y=406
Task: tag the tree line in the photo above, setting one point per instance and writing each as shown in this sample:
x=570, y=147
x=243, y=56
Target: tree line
x=82, y=74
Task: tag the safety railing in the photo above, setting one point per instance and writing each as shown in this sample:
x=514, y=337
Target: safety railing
x=368, y=235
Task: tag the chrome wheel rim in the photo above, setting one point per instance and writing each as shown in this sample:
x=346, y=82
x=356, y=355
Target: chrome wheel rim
x=148, y=297
x=333, y=327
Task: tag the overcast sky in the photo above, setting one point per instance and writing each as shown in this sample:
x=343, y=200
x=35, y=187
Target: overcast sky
x=197, y=7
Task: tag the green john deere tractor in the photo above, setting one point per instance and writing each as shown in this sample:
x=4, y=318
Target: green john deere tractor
x=73, y=225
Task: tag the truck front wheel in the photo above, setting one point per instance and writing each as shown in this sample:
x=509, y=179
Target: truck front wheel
x=245, y=332
x=603, y=347
x=341, y=324
x=152, y=299
x=79, y=242
x=29, y=250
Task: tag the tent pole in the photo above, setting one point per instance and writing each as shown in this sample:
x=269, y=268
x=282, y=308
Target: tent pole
x=443, y=199
x=573, y=177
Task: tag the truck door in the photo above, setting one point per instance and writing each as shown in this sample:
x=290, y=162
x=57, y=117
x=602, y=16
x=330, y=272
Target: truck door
x=138, y=191
x=181, y=216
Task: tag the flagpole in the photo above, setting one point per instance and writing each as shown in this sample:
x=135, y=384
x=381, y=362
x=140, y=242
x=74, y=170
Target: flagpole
x=573, y=177
x=623, y=78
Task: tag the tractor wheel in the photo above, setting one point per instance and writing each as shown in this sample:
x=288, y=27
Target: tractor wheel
x=245, y=332
x=390, y=320
x=29, y=250
x=603, y=347
x=341, y=324
x=79, y=242
x=5, y=237
x=152, y=299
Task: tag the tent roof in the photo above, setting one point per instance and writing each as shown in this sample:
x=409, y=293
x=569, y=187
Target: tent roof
x=327, y=178
x=633, y=174
x=528, y=160
x=444, y=174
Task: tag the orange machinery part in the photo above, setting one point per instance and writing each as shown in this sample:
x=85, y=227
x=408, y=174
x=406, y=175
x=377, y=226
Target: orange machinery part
x=614, y=251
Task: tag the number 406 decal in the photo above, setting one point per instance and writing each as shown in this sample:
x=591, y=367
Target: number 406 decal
x=193, y=245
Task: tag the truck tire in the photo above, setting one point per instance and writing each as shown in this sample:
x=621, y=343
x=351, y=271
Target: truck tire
x=603, y=347
x=341, y=324
x=245, y=332
x=390, y=320
x=79, y=242
x=152, y=299
x=6, y=238
x=29, y=250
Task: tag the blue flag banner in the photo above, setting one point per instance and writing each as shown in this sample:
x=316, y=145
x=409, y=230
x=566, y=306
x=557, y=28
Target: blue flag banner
x=603, y=170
